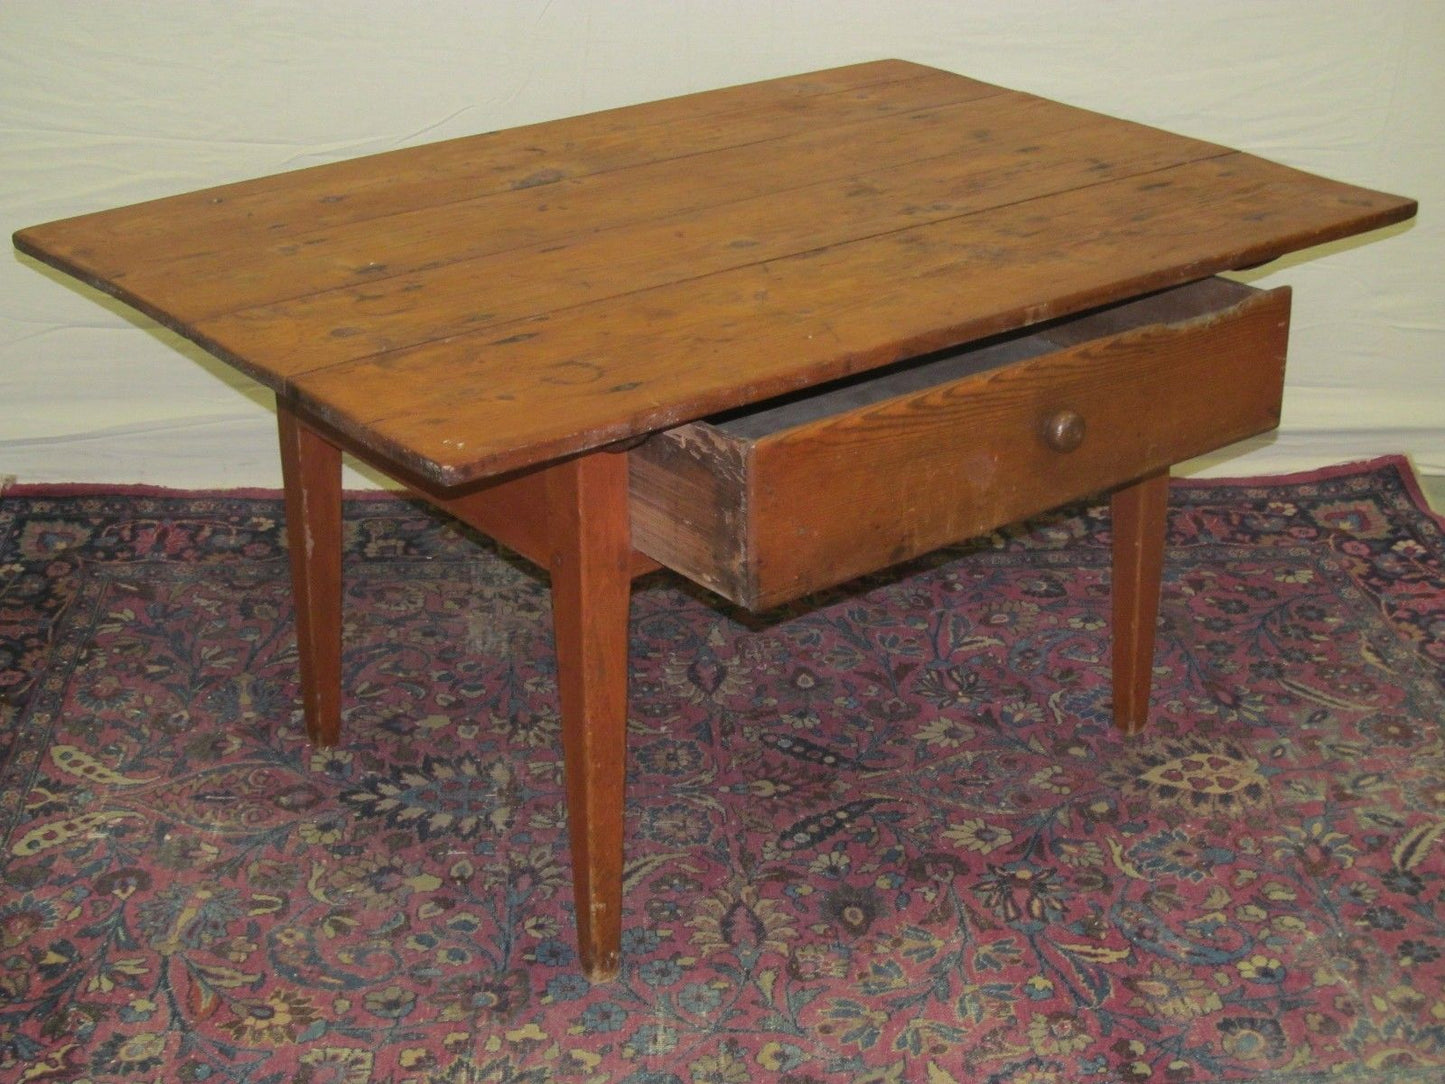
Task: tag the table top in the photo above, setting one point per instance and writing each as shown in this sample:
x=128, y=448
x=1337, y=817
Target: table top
x=494, y=302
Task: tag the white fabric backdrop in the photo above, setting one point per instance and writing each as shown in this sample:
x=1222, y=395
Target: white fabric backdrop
x=106, y=103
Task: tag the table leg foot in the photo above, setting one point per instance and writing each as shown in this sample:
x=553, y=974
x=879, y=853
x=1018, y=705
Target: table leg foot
x=1139, y=514
x=311, y=467
x=591, y=559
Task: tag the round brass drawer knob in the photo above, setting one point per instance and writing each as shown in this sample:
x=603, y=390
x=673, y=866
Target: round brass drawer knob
x=1064, y=430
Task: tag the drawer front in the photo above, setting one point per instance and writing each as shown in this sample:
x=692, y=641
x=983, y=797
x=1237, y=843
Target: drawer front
x=1119, y=394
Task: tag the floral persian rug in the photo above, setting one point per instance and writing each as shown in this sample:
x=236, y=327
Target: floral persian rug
x=889, y=835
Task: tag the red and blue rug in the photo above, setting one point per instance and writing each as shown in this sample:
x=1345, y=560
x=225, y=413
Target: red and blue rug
x=886, y=836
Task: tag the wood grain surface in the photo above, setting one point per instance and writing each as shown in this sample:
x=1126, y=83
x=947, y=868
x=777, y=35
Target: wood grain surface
x=500, y=301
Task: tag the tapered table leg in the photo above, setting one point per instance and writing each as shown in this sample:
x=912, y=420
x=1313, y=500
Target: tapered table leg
x=311, y=468
x=591, y=559
x=1138, y=512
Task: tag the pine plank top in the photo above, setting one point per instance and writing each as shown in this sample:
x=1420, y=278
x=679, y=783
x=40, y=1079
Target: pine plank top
x=482, y=305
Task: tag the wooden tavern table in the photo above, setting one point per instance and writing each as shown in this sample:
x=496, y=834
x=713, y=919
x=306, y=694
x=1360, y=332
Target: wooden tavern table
x=772, y=337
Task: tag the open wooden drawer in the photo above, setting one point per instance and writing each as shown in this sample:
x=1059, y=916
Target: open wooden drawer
x=793, y=495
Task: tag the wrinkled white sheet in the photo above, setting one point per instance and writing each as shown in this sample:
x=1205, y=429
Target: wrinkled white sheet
x=104, y=103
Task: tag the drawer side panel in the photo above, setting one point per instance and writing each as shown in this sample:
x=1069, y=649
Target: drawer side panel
x=689, y=492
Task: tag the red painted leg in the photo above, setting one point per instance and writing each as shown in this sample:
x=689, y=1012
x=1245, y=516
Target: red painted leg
x=1139, y=519
x=311, y=467
x=591, y=559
